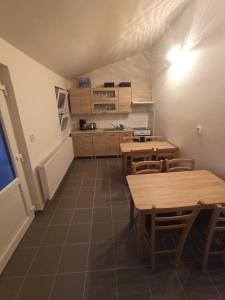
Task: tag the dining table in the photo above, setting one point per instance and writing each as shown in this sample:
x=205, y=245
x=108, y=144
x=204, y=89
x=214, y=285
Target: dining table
x=172, y=190
x=130, y=147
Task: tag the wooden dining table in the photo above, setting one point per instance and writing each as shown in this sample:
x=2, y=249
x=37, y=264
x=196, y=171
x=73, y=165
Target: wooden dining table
x=172, y=190
x=127, y=148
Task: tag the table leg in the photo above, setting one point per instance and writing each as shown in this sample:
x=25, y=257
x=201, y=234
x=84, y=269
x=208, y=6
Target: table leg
x=140, y=235
x=131, y=212
x=124, y=156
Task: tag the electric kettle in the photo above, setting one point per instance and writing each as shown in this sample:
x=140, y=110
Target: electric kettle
x=92, y=125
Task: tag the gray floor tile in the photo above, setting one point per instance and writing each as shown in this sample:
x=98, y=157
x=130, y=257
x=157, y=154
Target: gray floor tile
x=33, y=237
x=100, y=285
x=66, y=203
x=122, y=231
x=197, y=285
x=102, y=201
x=102, y=215
x=101, y=257
x=84, y=202
x=171, y=288
x=121, y=213
x=101, y=232
x=82, y=215
x=42, y=218
x=126, y=254
x=62, y=218
x=55, y=235
x=68, y=287
x=9, y=287
x=46, y=261
x=36, y=288
x=132, y=284
x=78, y=233
x=20, y=262
x=74, y=259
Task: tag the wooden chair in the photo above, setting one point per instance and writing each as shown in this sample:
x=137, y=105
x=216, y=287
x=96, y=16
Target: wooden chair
x=168, y=153
x=141, y=155
x=175, y=221
x=147, y=167
x=215, y=244
x=179, y=164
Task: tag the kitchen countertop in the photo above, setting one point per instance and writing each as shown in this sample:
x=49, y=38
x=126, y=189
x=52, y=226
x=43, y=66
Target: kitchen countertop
x=99, y=130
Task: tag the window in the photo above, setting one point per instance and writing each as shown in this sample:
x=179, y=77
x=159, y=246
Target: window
x=7, y=173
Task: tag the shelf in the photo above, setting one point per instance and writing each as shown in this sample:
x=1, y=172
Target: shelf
x=142, y=102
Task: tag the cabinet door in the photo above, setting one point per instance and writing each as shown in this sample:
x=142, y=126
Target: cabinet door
x=112, y=143
x=99, y=144
x=83, y=145
x=125, y=99
x=80, y=101
x=83, y=150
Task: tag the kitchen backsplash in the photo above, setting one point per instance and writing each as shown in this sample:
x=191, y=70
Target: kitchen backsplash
x=140, y=117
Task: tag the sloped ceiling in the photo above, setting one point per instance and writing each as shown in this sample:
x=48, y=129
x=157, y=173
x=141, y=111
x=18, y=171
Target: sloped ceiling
x=72, y=37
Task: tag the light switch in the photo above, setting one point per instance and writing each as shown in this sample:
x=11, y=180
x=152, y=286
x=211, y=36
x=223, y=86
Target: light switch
x=199, y=129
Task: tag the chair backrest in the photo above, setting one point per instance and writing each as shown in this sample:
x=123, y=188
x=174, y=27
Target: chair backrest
x=179, y=164
x=218, y=218
x=166, y=153
x=147, y=167
x=174, y=219
x=141, y=155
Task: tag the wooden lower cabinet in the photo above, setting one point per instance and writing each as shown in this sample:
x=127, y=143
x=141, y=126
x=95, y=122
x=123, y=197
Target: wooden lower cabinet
x=98, y=144
x=83, y=145
x=113, y=143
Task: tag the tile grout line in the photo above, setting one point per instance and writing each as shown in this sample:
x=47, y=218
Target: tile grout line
x=90, y=236
x=36, y=252
x=113, y=240
x=64, y=244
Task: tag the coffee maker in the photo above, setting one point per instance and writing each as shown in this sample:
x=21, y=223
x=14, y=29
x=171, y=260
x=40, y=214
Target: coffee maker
x=83, y=124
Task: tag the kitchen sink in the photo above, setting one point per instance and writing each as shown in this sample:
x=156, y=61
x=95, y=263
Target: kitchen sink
x=111, y=129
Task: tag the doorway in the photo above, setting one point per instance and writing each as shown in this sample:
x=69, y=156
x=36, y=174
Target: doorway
x=15, y=215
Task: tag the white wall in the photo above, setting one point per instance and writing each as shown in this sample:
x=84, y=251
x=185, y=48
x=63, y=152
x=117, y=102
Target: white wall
x=198, y=96
x=35, y=95
x=134, y=69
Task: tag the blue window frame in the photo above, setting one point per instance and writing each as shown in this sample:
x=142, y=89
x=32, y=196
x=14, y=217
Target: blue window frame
x=7, y=173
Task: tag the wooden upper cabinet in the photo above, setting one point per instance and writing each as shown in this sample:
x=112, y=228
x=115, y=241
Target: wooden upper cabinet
x=80, y=100
x=125, y=99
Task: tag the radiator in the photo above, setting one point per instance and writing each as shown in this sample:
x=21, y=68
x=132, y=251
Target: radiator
x=54, y=167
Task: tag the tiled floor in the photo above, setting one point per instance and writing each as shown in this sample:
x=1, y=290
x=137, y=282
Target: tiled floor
x=82, y=248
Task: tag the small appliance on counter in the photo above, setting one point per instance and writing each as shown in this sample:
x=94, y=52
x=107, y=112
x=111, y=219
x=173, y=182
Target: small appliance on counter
x=125, y=84
x=83, y=124
x=141, y=133
x=109, y=84
x=92, y=126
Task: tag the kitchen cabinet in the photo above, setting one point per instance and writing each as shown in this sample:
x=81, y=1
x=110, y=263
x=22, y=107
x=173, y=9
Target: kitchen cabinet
x=112, y=143
x=80, y=101
x=104, y=100
x=125, y=99
x=83, y=145
x=98, y=143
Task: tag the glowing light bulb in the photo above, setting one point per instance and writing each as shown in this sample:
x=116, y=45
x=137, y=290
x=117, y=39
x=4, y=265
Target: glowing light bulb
x=181, y=59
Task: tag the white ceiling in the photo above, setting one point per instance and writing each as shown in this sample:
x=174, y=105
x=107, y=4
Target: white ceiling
x=72, y=37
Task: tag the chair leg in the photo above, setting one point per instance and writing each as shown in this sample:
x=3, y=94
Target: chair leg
x=206, y=253
x=131, y=212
